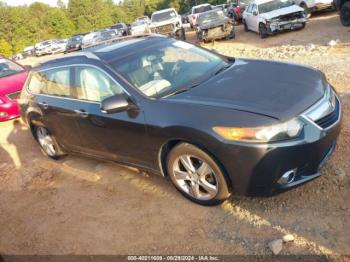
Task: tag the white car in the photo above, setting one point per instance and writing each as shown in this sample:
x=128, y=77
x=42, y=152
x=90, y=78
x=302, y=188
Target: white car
x=43, y=48
x=311, y=6
x=90, y=39
x=167, y=22
x=139, y=27
x=268, y=17
x=195, y=11
x=59, y=46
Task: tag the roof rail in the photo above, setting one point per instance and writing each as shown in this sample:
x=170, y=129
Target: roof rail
x=116, y=40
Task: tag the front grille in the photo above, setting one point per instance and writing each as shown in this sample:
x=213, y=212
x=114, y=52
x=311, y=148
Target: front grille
x=292, y=16
x=165, y=29
x=329, y=119
x=14, y=96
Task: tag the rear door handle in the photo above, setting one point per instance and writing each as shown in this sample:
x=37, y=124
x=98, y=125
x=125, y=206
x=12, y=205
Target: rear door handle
x=82, y=113
x=44, y=105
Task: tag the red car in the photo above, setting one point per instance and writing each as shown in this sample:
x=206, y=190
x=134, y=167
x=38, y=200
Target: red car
x=12, y=78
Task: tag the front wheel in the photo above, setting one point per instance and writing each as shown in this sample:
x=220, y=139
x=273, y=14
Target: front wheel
x=197, y=175
x=246, y=29
x=262, y=31
x=181, y=34
x=345, y=14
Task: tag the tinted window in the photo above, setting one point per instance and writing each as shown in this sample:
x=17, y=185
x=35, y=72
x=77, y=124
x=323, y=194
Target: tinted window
x=94, y=85
x=163, y=16
x=37, y=83
x=254, y=8
x=202, y=9
x=249, y=9
x=274, y=5
x=57, y=82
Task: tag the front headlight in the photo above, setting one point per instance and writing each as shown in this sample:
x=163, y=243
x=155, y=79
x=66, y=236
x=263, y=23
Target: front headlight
x=283, y=131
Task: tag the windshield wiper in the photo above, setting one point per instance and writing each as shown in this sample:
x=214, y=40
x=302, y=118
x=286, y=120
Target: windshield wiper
x=181, y=90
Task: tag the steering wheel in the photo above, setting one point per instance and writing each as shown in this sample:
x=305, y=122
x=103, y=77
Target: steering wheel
x=176, y=68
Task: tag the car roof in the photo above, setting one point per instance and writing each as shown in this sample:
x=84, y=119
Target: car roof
x=196, y=6
x=106, y=51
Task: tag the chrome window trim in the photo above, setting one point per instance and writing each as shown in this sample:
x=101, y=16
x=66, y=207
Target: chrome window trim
x=322, y=109
x=70, y=98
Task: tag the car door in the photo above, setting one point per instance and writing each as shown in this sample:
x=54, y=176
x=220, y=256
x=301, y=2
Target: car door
x=118, y=136
x=254, y=20
x=248, y=16
x=57, y=106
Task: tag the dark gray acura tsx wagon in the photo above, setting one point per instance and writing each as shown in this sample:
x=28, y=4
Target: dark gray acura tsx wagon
x=214, y=125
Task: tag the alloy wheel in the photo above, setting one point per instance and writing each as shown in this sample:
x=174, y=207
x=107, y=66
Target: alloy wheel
x=46, y=142
x=195, y=177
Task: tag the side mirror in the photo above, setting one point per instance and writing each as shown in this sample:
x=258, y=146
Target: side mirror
x=255, y=13
x=115, y=104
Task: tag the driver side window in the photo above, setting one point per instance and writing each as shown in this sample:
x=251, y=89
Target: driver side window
x=254, y=8
x=92, y=84
x=249, y=9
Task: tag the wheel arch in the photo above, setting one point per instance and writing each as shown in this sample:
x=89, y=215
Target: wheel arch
x=171, y=143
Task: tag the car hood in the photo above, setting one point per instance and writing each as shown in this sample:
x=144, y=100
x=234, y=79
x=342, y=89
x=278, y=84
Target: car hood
x=278, y=90
x=13, y=83
x=214, y=23
x=166, y=22
x=282, y=11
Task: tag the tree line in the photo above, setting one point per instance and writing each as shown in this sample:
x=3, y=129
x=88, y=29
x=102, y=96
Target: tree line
x=22, y=26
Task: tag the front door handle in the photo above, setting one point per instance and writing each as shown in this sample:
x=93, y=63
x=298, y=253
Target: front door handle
x=82, y=113
x=44, y=105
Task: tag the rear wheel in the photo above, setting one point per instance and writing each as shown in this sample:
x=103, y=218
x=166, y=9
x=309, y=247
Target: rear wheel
x=197, y=175
x=262, y=30
x=345, y=14
x=181, y=34
x=47, y=143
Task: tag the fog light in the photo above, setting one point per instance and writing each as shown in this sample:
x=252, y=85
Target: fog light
x=3, y=114
x=287, y=177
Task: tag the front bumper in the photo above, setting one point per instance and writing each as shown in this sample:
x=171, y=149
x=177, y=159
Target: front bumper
x=9, y=110
x=280, y=26
x=255, y=170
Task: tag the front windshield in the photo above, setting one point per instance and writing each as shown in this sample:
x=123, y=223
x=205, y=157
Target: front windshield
x=138, y=23
x=8, y=68
x=274, y=5
x=168, y=67
x=210, y=16
x=159, y=17
x=202, y=9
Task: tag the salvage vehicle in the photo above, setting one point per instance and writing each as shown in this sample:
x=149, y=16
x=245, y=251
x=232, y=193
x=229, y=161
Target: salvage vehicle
x=344, y=7
x=213, y=124
x=74, y=43
x=12, y=79
x=195, y=11
x=28, y=51
x=311, y=6
x=59, y=46
x=268, y=17
x=122, y=29
x=143, y=19
x=213, y=25
x=167, y=22
x=140, y=27
x=43, y=48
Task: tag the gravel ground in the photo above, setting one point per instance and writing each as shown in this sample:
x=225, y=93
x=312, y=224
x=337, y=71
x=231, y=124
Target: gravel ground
x=82, y=206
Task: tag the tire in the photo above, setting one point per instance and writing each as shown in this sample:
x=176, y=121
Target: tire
x=246, y=29
x=181, y=35
x=197, y=175
x=232, y=34
x=262, y=31
x=345, y=14
x=48, y=143
x=306, y=10
x=199, y=36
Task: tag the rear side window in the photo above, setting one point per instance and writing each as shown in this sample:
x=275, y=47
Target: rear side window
x=57, y=82
x=54, y=82
x=94, y=85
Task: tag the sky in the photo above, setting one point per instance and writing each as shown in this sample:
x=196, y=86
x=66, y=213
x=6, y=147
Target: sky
x=28, y=2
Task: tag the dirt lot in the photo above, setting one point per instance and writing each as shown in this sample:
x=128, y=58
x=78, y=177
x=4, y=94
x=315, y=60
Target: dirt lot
x=83, y=206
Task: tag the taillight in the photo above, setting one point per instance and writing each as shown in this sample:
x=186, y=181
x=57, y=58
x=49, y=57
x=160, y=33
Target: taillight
x=194, y=17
